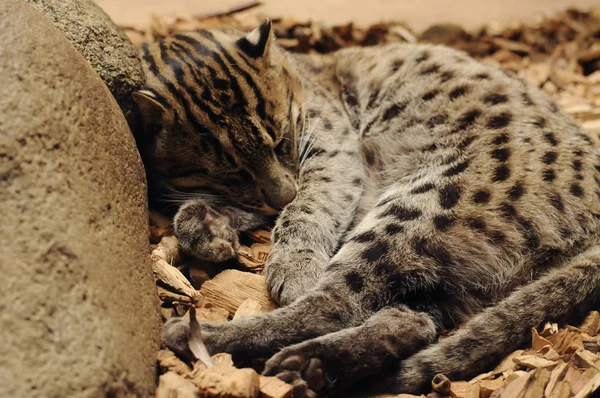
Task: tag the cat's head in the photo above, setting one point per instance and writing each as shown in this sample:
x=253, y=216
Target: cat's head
x=221, y=111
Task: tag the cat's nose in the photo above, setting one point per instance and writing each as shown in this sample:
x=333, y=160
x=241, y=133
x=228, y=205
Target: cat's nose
x=278, y=195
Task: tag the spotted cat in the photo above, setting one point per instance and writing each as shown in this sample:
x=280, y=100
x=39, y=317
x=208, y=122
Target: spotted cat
x=418, y=190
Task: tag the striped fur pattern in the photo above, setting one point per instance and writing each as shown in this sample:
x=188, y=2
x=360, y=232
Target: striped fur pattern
x=430, y=191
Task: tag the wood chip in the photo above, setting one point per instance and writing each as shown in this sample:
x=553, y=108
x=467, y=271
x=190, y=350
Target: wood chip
x=169, y=362
x=555, y=376
x=562, y=390
x=464, y=389
x=247, y=308
x=253, y=258
x=536, y=388
x=172, y=385
x=226, y=381
x=538, y=342
x=487, y=387
x=589, y=387
x=575, y=379
x=440, y=383
x=533, y=361
x=585, y=359
x=211, y=312
x=517, y=388
x=260, y=236
x=272, y=387
x=231, y=288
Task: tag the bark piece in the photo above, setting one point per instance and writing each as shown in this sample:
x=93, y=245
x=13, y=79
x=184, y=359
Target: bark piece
x=272, y=387
x=247, y=308
x=231, y=288
x=487, y=387
x=536, y=388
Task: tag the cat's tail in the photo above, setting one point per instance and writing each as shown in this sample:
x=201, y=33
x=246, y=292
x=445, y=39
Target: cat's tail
x=485, y=340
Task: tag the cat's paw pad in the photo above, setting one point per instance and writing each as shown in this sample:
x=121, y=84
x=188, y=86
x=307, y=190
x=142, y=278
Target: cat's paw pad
x=205, y=234
x=304, y=373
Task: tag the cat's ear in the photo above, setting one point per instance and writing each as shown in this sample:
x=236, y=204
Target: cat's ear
x=258, y=42
x=153, y=112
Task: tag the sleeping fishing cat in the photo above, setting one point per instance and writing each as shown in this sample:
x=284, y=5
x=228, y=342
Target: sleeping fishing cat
x=417, y=190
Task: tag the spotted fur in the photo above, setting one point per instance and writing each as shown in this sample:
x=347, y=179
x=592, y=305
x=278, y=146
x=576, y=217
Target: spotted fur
x=432, y=192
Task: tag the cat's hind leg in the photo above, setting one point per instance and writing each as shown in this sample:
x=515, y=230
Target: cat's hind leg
x=337, y=360
x=562, y=293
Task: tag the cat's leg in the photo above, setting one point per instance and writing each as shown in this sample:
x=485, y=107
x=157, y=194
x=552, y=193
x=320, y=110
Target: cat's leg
x=211, y=233
x=487, y=338
x=342, y=358
x=319, y=312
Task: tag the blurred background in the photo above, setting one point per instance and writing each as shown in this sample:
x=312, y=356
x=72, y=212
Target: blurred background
x=419, y=14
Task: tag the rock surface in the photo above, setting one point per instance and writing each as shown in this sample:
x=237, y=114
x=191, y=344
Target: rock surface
x=102, y=43
x=79, y=314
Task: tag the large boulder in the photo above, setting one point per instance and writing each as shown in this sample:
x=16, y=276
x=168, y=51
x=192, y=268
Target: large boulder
x=103, y=44
x=78, y=311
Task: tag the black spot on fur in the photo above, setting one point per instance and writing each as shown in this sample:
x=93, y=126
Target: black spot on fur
x=449, y=196
x=516, y=191
x=393, y=229
x=402, y=213
x=576, y=164
x=551, y=139
x=357, y=182
x=327, y=124
x=425, y=248
x=501, y=173
x=459, y=91
x=549, y=157
x=396, y=64
x=393, y=111
x=576, y=190
x=499, y=121
x=436, y=120
x=495, y=99
x=508, y=210
x=424, y=56
x=464, y=144
x=430, y=95
x=476, y=223
x=540, y=122
x=501, y=139
x=501, y=154
x=326, y=179
x=354, y=281
x=442, y=222
x=481, y=196
x=431, y=69
x=497, y=236
x=467, y=119
x=423, y=188
x=369, y=157
x=447, y=75
x=556, y=201
x=368, y=236
x=482, y=76
x=376, y=251
x=548, y=175
x=456, y=169
x=579, y=177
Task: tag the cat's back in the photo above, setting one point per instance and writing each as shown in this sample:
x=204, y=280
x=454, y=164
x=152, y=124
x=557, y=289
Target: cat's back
x=472, y=146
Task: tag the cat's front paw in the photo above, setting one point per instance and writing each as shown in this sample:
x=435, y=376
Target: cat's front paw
x=289, y=278
x=204, y=233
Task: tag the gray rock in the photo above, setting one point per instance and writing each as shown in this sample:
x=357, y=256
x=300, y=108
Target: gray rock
x=78, y=311
x=102, y=43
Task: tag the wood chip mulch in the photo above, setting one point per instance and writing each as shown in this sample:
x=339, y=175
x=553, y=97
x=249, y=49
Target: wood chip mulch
x=560, y=54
